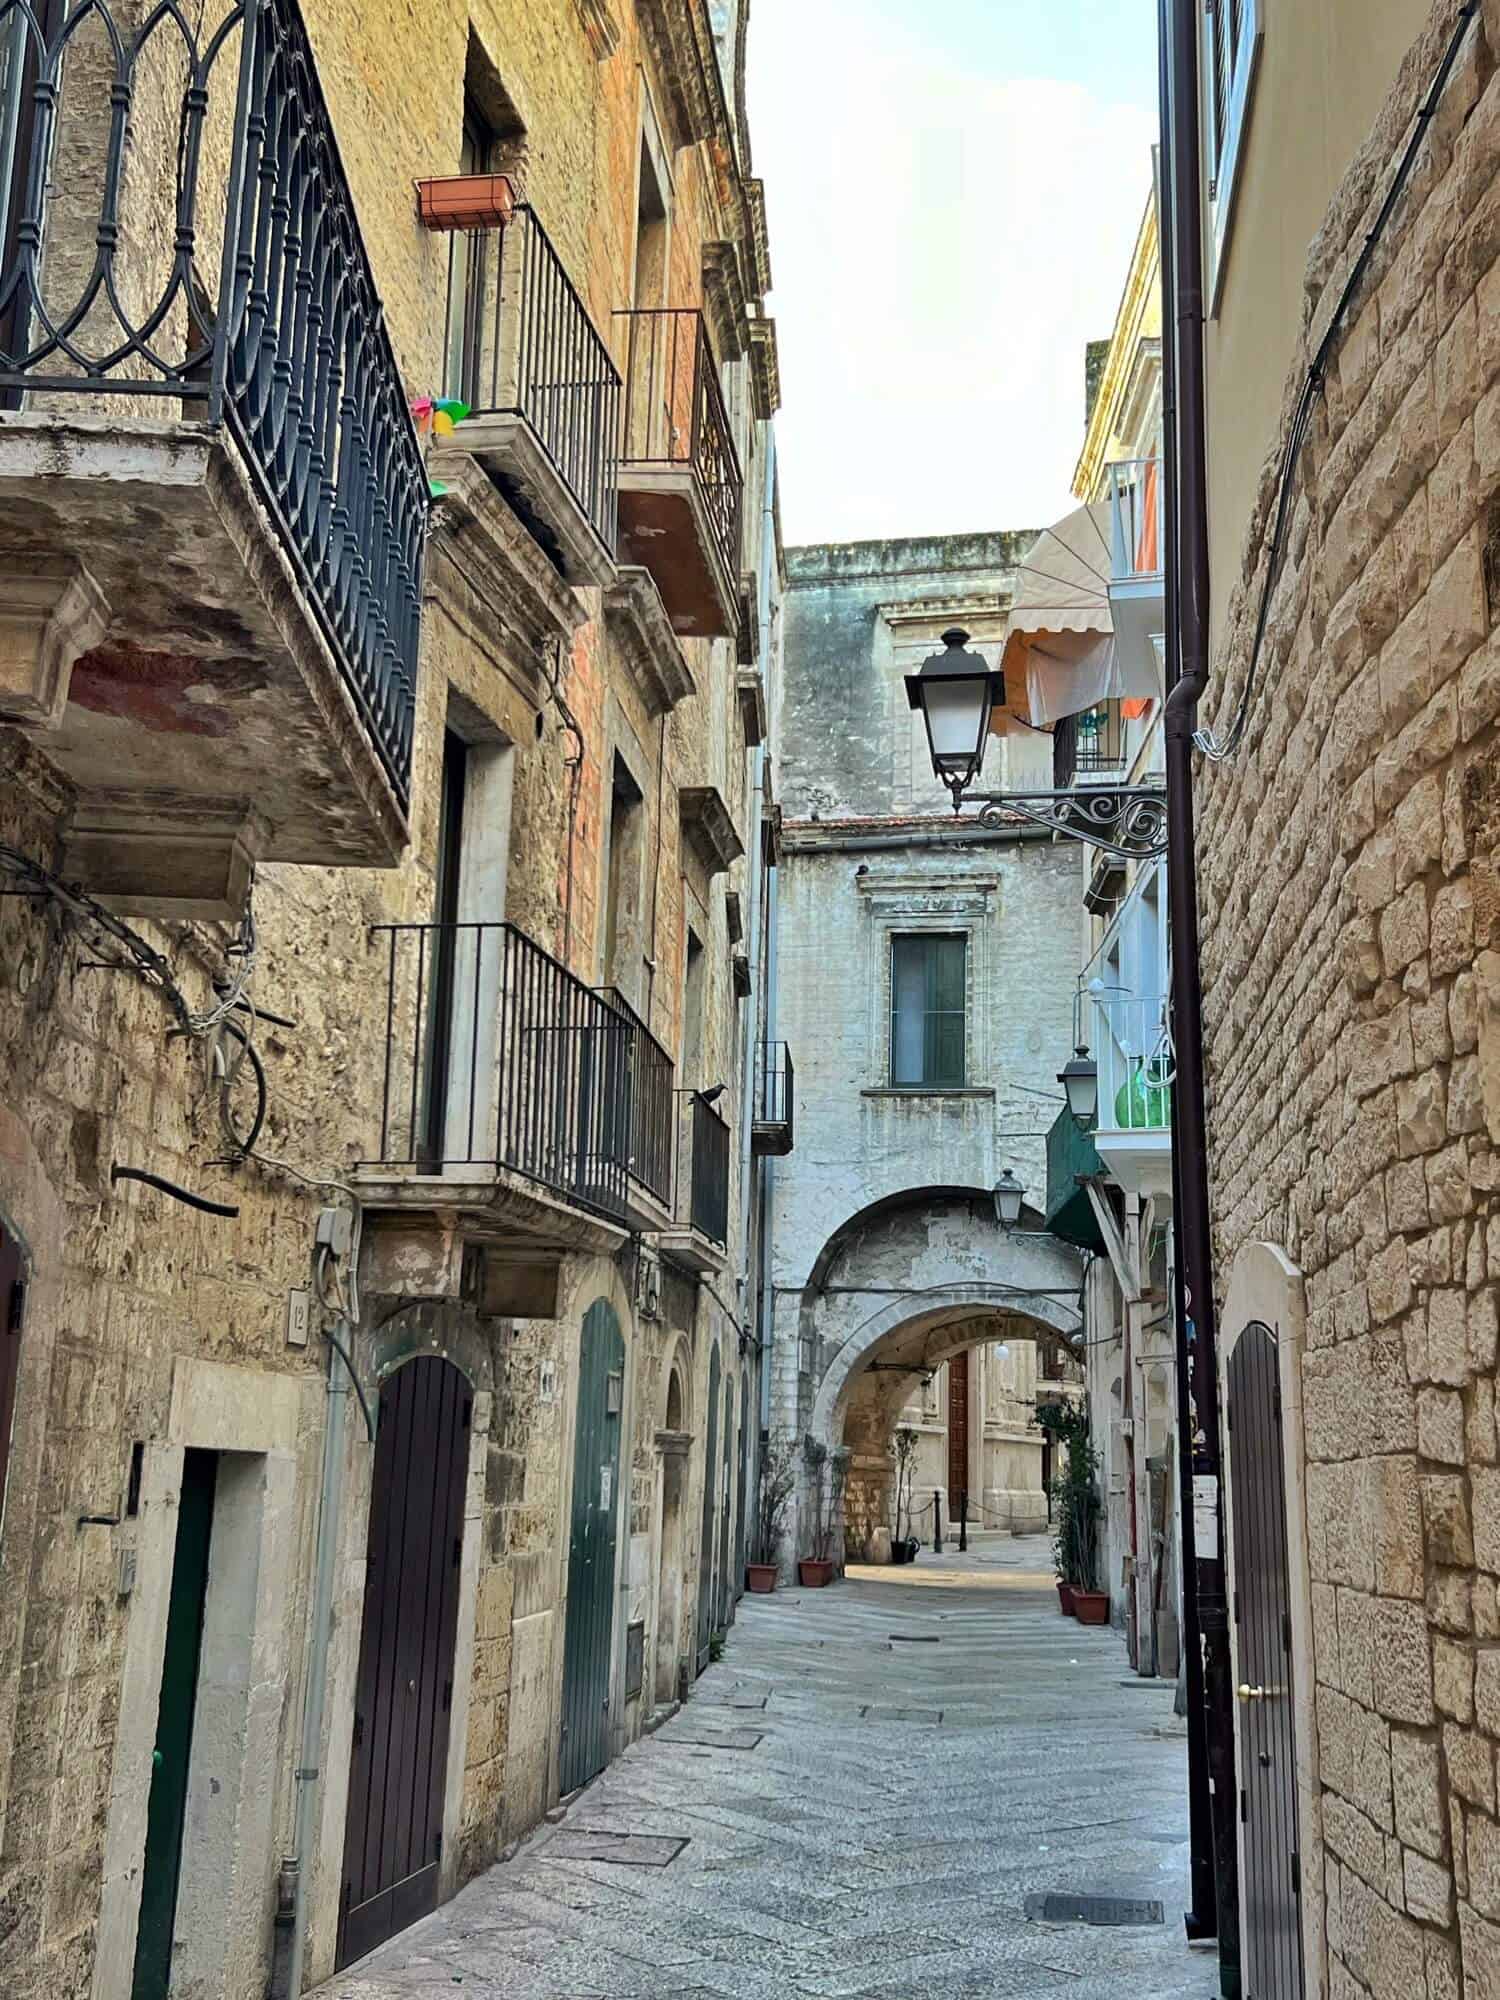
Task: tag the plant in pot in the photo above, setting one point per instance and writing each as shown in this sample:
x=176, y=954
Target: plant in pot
x=1057, y=1420
x=1076, y=1506
x=904, y=1451
x=826, y=1473
x=778, y=1475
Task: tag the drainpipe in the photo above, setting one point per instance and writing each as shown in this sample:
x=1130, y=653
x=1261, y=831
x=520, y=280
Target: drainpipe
x=1197, y=1332
x=291, y=1908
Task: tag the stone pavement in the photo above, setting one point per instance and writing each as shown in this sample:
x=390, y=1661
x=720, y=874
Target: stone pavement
x=869, y=1786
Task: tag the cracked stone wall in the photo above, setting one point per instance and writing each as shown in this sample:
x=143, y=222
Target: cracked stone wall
x=1350, y=872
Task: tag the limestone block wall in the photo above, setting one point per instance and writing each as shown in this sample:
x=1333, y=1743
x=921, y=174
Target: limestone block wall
x=1351, y=903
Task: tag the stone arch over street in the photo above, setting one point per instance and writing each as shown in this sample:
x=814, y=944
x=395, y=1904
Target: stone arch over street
x=896, y=1290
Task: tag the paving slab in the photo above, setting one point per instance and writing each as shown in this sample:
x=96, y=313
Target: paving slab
x=871, y=1787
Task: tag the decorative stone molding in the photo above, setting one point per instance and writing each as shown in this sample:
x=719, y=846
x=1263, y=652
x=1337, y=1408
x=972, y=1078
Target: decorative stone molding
x=601, y=27
x=486, y=569
x=765, y=368
x=681, y=43
x=708, y=827
x=147, y=854
x=734, y=916
x=757, y=237
x=53, y=613
x=724, y=298
x=645, y=642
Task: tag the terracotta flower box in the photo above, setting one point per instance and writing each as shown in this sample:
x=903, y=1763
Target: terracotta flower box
x=1065, y=1599
x=760, y=1578
x=1091, y=1607
x=813, y=1574
x=466, y=201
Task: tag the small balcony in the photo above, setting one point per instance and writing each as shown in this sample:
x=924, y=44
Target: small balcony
x=681, y=486
x=1132, y=1044
x=546, y=422
x=514, y=1095
x=699, y=1237
x=212, y=499
x=1137, y=586
x=772, y=1127
x=1089, y=748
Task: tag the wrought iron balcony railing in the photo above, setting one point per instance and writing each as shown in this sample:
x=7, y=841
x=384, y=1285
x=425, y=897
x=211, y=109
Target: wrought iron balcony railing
x=706, y=1170
x=775, y=1099
x=675, y=415
x=1133, y=1048
x=547, y=366
x=498, y=1056
x=177, y=233
x=1135, y=512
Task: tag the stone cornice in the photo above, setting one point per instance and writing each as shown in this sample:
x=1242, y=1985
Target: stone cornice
x=601, y=27
x=26, y=767
x=724, y=299
x=765, y=368
x=682, y=47
x=757, y=237
x=644, y=640
x=478, y=538
x=707, y=825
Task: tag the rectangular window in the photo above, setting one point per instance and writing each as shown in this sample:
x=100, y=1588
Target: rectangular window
x=1231, y=51
x=928, y=981
x=468, y=273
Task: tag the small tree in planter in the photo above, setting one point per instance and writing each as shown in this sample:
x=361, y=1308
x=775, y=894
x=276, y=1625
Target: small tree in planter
x=1075, y=1495
x=778, y=1476
x=904, y=1450
x=826, y=1471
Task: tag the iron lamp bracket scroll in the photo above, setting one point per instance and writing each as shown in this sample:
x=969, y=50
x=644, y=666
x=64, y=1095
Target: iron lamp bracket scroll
x=1129, y=821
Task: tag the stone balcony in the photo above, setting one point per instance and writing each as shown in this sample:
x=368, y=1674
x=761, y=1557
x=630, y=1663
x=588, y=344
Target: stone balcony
x=212, y=499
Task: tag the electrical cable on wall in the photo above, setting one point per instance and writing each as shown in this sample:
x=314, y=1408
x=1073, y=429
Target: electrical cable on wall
x=1206, y=740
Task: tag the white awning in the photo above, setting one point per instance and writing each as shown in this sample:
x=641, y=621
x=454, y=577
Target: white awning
x=1059, y=641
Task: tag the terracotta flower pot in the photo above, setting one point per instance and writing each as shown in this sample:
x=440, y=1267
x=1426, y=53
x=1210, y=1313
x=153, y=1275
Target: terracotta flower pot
x=814, y=1574
x=1091, y=1607
x=761, y=1578
x=1065, y=1599
x=466, y=201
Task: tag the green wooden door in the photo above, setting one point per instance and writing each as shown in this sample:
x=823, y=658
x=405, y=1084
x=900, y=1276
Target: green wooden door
x=591, y=1548
x=167, y=1803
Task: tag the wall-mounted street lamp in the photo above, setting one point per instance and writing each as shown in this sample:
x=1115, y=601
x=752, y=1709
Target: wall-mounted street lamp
x=1009, y=1195
x=957, y=692
x=1080, y=1079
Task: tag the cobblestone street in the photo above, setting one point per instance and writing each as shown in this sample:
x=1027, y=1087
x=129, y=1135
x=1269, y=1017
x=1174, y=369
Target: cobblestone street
x=866, y=1790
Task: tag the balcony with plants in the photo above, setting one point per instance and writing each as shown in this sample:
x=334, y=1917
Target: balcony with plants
x=212, y=496
x=681, y=484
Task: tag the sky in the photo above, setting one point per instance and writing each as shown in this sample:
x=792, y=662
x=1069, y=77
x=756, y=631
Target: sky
x=953, y=190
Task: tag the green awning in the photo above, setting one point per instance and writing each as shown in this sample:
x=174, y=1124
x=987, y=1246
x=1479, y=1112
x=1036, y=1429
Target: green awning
x=1071, y=1158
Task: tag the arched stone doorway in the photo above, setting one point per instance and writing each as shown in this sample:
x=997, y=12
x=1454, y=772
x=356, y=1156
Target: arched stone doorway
x=674, y=1442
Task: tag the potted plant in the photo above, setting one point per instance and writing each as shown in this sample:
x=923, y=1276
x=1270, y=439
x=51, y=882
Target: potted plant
x=904, y=1450
x=778, y=1475
x=826, y=1474
x=1076, y=1507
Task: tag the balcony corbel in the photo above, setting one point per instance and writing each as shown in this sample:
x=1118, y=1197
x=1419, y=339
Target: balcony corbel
x=709, y=828
x=645, y=642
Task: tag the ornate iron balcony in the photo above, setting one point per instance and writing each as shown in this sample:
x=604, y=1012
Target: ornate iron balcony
x=178, y=241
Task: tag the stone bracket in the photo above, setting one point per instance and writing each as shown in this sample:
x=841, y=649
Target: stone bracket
x=53, y=613
x=1127, y=820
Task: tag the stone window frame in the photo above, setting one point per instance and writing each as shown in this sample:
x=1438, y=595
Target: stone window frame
x=952, y=906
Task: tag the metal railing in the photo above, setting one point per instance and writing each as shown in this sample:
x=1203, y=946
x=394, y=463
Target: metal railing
x=706, y=1169
x=675, y=414
x=775, y=1084
x=1135, y=516
x=184, y=230
x=496, y=1055
x=550, y=367
x=1133, y=1048
x=1101, y=738
x=651, y=1080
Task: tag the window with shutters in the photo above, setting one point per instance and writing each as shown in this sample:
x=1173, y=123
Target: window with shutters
x=1231, y=51
x=929, y=978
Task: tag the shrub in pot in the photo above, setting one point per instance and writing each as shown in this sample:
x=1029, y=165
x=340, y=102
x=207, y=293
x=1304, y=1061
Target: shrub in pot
x=1076, y=1510
x=778, y=1475
x=827, y=1472
x=904, y=1450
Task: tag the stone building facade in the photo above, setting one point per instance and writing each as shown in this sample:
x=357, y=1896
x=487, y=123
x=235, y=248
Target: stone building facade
x=485, y=764
x=1347, y=871
x=887, y=1255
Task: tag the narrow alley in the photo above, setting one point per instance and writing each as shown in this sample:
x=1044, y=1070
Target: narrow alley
x=863, y=1798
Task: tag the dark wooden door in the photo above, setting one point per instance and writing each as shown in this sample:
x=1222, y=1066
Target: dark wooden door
x=706, y=1537
x=1268, y=1752
x=588, y=1639
x=12, y=1310
x=742, y=1477
x=958, y=1433
x=166, y=1803
x=393, y=1836
x=725, y=1605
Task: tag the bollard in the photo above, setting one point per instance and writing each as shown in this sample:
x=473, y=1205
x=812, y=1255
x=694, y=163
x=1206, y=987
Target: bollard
x=963, y=1523
x=937, y=1524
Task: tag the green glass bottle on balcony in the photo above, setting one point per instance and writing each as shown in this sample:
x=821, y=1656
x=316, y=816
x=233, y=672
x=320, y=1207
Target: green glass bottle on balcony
x=1143, y=1102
